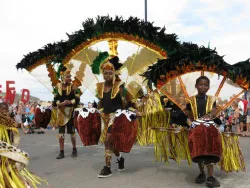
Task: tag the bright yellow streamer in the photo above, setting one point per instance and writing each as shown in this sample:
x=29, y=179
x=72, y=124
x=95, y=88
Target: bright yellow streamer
x=4, y=133
x=171, y=145
x=232, y=158
x=11, y=177
x=155, y=116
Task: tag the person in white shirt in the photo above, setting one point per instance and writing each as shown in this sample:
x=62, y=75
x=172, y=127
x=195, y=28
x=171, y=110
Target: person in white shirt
x=241, y=114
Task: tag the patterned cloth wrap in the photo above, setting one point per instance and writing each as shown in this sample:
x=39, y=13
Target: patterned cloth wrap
x=88, y=125
x=124, y=130
x=42, y=116
x=204, y=142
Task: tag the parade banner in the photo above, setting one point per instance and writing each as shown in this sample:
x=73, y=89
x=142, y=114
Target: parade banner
x=25, y=96
x=10, y=92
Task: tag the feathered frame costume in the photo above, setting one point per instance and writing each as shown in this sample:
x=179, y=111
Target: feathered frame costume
x=190, y=58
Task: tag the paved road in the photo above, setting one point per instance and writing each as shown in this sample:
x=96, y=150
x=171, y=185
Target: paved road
x=141, y=170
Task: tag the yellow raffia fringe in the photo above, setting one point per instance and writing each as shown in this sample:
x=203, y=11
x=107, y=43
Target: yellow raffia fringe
x=155, y=116
x=32, y=178
x=4, y=133
x=232, y=158
x=171, y=145
x=2, y=182
x=11, y=177
x=18, y=181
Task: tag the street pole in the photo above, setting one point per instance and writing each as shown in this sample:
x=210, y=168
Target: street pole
x=146, y=6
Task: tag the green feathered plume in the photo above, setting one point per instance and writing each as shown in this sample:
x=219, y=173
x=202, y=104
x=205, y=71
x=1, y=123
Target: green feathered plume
x=61, y=68
x=98, y=61
x=55, y=91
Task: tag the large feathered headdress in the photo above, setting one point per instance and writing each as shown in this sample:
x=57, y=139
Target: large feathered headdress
x=104, y=62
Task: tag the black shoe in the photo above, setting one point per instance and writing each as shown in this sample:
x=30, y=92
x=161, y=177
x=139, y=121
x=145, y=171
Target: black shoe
x=201, y=178
x=121, y=164
x=60, y=156
x=74, y=153
x=212, y=182
x=105, y=172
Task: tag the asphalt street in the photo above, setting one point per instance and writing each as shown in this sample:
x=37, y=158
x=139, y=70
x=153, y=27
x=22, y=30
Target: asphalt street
x=141, y=169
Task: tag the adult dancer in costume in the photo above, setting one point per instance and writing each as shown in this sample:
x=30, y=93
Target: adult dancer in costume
x=113, y=96
x=204, y=138
x=66, y=99
x=13, y=161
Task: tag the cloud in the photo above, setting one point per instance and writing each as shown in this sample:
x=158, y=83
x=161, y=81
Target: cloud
x=223, y=24
x=28, y=25
x=235, y=46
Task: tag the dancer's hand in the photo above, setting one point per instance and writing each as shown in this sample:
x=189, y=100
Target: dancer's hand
x=67, y=102
x=62, y=104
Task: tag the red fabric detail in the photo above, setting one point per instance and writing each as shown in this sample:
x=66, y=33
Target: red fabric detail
x=42, y=119
x=89, y=128
x=10, y=92
x=124, y=133
x=245, y=102
x=204, y=141
x=25, y=96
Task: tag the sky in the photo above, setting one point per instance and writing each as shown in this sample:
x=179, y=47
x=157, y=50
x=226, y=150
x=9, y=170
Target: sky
x=28, y=25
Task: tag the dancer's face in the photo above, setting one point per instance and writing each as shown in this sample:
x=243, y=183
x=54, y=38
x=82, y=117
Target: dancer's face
x=202, y=86
x=67, y=79
x=108, y=75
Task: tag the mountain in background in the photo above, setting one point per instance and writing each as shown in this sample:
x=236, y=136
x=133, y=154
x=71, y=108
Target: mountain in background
x=18, y=98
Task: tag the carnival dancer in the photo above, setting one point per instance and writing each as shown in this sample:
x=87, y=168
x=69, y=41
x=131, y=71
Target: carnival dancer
x=13, y=161
x=114, y=96
x=66, y=98
x=204, y=138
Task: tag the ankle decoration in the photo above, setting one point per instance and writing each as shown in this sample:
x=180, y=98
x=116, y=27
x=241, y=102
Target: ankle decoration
x=108, y=153
x=59, y=136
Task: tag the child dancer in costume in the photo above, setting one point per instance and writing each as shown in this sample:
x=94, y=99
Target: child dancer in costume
x=113, y=96
x=66, y=98
x=204, y=138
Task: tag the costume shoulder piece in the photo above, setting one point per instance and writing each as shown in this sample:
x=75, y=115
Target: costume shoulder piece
x=193, y=104
x=100, y=89
x=115, y=89
x=58, y=89
x=210, y=102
